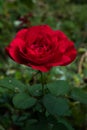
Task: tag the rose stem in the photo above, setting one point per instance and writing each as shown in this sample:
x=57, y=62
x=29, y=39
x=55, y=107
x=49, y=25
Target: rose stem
x=42, y=82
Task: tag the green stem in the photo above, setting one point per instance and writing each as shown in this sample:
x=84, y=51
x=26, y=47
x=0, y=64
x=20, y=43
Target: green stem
x=33, y=76
x=42, y=82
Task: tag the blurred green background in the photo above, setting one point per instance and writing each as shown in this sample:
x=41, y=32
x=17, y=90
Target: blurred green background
x=70, y=16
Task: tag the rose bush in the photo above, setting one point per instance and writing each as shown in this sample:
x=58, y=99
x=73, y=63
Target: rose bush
x=41, y=48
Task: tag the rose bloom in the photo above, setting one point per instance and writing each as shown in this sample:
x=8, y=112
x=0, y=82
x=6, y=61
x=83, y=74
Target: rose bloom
x=41, y=48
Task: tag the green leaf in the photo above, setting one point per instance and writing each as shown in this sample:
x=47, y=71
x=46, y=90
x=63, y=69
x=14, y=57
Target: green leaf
x=59, y=87
x=23, y=101
x=35, y=90
x=59, y=126
x=12, y=84
x=20, y=118
x=79, y=95
x=56, y=106
x=67, y=124
x=38, y=126
x=3, y=90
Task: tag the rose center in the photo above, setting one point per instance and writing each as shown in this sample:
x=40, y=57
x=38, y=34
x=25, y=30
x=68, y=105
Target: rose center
x=39, y=46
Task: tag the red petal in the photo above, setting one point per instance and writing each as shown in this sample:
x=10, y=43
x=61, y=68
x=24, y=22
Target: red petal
x=22, y=33
x=13, y=50
x=41, y=68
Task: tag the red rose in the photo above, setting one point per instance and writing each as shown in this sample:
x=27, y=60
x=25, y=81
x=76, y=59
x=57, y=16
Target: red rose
x=41, y=48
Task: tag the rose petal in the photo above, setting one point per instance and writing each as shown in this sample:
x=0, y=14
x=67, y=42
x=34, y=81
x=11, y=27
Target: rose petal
x=66, y=59
x=22, y=33
x=36, y=31
x=41, y=68
x=13, y=50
